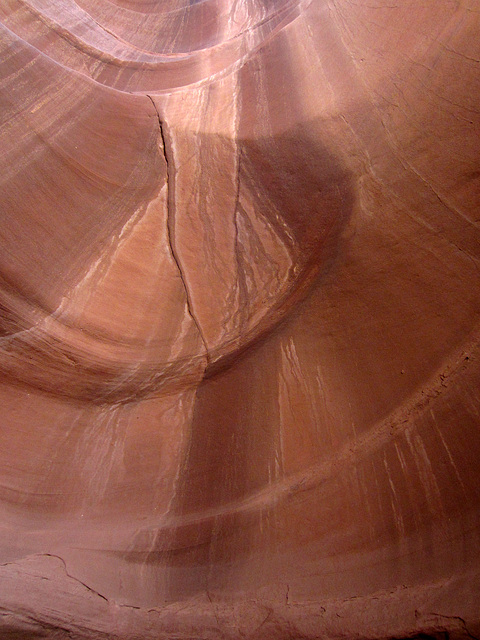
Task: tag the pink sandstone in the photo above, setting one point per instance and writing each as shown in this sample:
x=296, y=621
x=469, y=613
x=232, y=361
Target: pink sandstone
x=240, y=319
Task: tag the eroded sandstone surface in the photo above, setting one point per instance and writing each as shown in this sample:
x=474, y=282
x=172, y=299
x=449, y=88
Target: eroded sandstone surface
x=239, y=328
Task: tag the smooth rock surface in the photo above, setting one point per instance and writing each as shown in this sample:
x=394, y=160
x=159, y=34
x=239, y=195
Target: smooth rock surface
x=239, y=319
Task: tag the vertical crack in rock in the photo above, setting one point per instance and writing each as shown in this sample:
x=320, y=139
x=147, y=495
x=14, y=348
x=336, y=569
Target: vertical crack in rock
x=240, y=285
x=167, y=151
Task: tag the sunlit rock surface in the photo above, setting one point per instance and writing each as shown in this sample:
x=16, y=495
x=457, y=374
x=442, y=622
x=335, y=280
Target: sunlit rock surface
x=240, y=302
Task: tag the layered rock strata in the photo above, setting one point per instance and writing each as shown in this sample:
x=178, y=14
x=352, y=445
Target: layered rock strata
x=239, y=328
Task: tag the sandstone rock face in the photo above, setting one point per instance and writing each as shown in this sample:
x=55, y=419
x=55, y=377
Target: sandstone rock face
x=239, y=328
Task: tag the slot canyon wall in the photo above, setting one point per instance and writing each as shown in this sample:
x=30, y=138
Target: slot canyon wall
x=240, y=304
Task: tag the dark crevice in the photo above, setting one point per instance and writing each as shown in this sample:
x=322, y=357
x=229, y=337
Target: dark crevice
x=52, y=555
x=167, y=153
x=241, y=285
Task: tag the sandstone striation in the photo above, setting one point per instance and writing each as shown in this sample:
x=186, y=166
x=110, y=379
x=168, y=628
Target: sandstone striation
x=239, y=319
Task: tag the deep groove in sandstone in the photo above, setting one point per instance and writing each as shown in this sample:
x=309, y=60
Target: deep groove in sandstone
x=241, y=283
x=171, y=227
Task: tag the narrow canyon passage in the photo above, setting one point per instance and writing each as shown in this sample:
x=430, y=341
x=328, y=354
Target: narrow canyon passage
x=239, y=319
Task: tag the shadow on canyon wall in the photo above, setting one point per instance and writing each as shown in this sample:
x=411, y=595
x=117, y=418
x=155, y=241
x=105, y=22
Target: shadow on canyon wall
x=233, y=449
